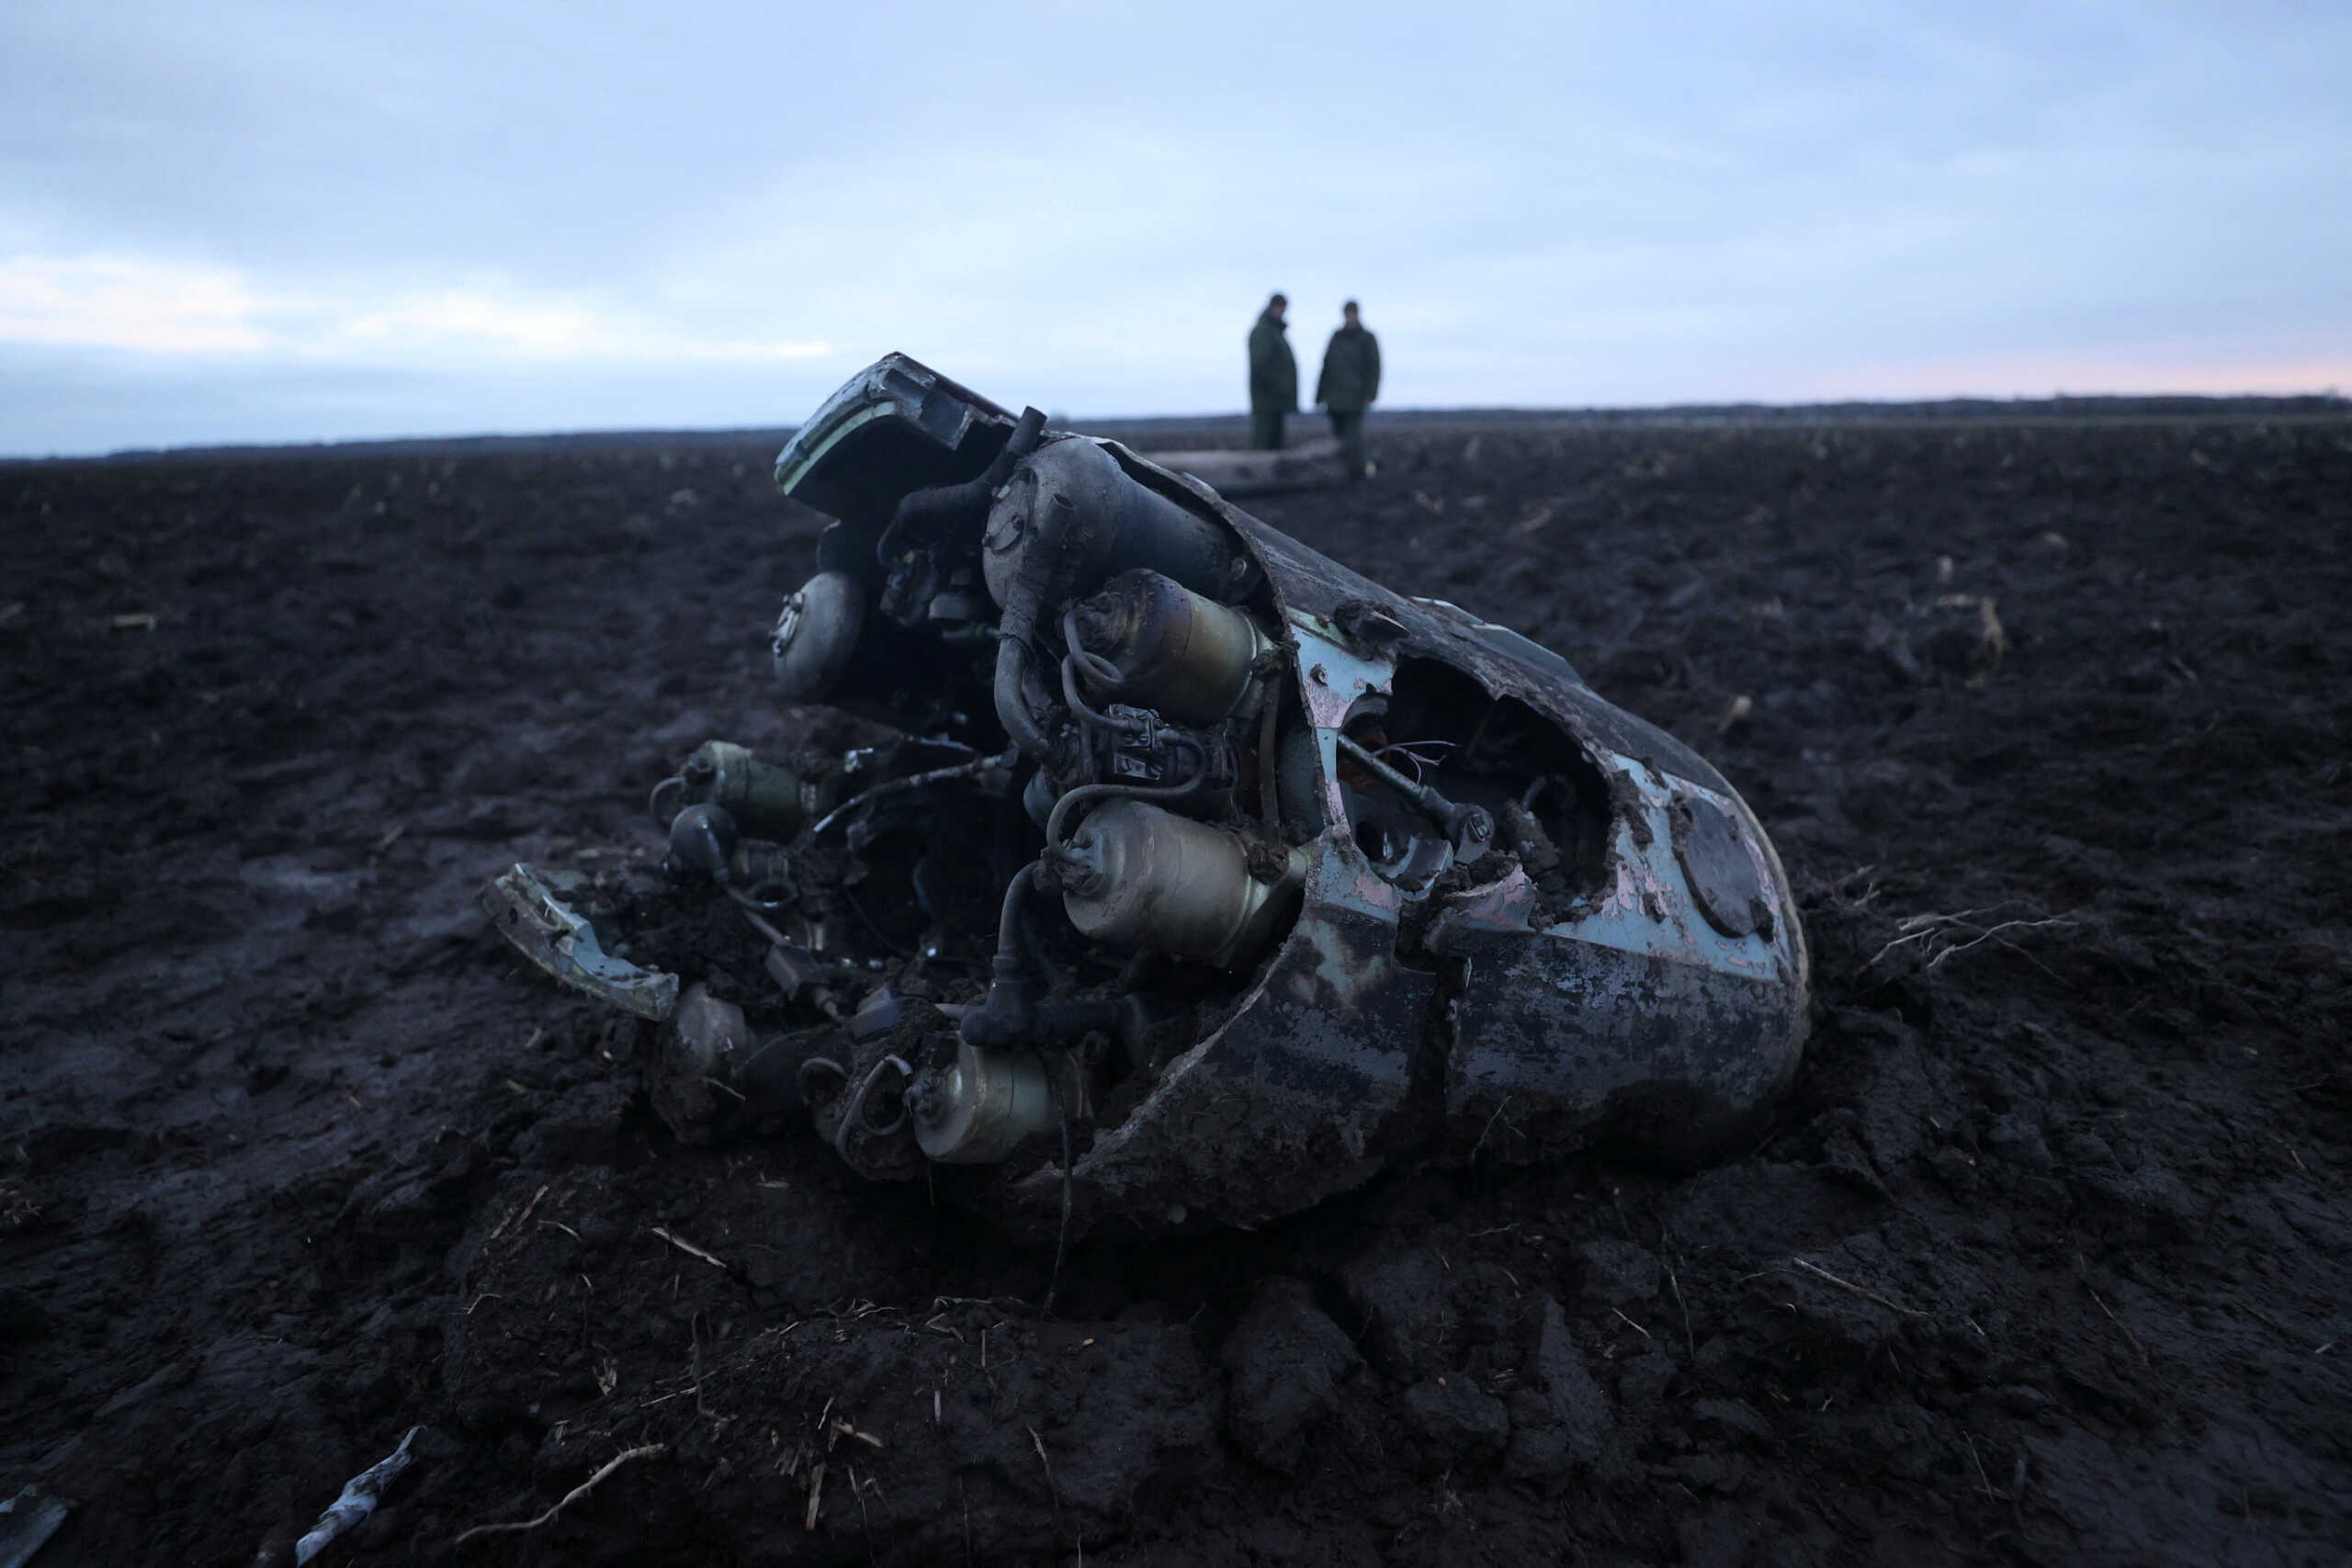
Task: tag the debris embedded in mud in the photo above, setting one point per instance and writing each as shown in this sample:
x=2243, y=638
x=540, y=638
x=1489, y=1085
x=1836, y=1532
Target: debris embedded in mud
x=1195, y=875
x=28, y=1520
x=360, y=1496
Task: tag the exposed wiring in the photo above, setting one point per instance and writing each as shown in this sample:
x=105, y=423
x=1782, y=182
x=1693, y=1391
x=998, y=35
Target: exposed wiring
x=800, y=1075
x=1004, y=759
x=1464, y=823
x=1408, y=748
x=853, y=1114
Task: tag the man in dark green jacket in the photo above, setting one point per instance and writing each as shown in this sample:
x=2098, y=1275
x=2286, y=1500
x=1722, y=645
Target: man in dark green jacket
x=1273, y=377
x=1351, y=380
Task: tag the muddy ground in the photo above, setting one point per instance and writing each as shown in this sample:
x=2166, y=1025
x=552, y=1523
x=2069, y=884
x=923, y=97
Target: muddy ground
x=2048, y=1258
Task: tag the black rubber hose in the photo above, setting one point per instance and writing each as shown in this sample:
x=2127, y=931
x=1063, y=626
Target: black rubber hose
x=1005, y=1016
x=1018, y=622
x=944, y=503
x=1125, y=1018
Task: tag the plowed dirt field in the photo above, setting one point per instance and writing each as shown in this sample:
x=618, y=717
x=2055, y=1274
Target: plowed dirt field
x=2048, y=1258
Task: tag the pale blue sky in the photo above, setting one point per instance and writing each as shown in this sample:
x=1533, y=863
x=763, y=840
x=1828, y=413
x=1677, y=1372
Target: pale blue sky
x=298, y=222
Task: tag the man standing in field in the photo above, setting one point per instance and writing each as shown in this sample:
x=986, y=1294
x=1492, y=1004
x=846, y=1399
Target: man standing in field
x=1351, y=380
x=1273, y=377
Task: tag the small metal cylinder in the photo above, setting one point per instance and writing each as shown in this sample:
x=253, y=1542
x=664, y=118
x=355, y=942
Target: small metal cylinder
x=1176, y=651
x=978, y=1108
x=1138, y=876
x=767, y=800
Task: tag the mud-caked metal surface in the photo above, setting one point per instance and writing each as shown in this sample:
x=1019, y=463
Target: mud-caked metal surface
x=1662, y=1012
x=1287, y=876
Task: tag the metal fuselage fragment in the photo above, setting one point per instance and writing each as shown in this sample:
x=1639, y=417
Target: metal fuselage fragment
x=1425, y=892
x=1628, y=1015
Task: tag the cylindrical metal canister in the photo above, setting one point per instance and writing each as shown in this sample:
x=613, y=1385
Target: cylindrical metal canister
x=1138, y=876
x=1176, y=651
x=767, y=800
x=816, y=634
x=1117, y=524
x=975, y=1109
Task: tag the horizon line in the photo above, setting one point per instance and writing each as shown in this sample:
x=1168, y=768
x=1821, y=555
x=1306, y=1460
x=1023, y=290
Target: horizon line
x=1972, y=406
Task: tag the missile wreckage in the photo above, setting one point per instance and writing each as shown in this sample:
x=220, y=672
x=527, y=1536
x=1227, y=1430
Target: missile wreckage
x=1138, y=869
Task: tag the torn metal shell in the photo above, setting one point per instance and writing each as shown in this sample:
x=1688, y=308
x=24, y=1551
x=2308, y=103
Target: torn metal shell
x=1640, y=1016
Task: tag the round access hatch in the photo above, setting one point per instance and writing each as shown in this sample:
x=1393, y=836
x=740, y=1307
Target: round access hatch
x=1722, y=871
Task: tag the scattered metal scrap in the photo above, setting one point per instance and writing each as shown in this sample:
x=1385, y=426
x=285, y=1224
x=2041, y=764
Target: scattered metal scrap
x=533, y=916
x=1182, y=876
x=360, y=1495
x=27, y=1520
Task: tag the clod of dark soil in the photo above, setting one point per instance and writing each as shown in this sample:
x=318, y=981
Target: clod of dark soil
x=2046, y=1259
x=1286, y=1360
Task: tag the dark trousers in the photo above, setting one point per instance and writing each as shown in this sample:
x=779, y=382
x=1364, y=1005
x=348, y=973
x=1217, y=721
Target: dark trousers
x=1348, y=425
x=1265, y=428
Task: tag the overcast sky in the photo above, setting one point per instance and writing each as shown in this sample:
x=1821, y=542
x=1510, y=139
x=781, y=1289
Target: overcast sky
x=231, y=221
